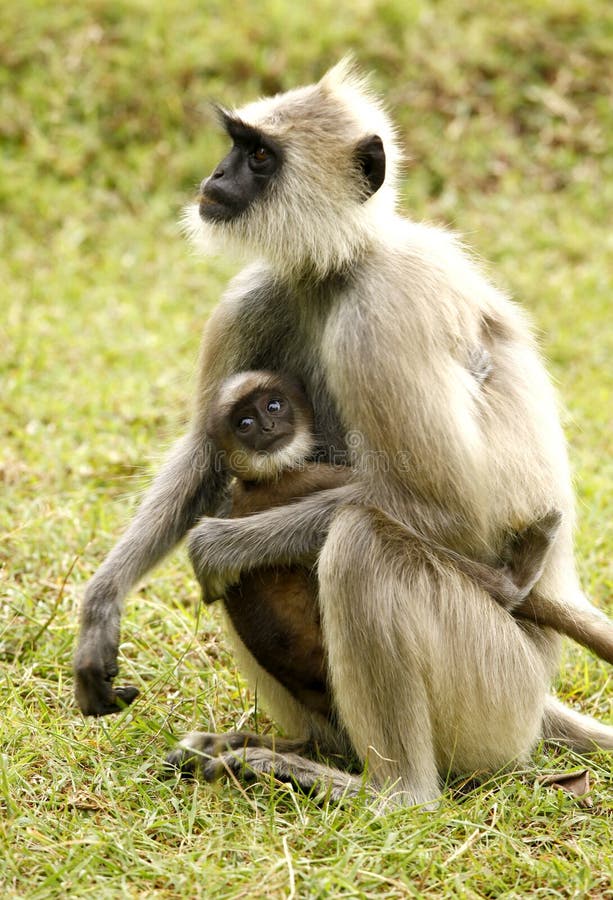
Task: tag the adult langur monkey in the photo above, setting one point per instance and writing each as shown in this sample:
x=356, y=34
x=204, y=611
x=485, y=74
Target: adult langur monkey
x=380, y=318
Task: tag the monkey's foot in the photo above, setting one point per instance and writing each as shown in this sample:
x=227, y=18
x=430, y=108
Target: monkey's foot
x=195, y=751
x=243, y=757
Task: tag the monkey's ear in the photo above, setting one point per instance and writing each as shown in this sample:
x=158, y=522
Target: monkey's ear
x=370, y=156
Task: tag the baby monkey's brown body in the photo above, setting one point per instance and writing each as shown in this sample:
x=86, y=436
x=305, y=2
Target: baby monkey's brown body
x=275, y=611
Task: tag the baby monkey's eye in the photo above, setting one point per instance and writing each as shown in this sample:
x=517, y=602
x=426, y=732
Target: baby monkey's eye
x=245, y=423
x=261, y=154
x=274, y=406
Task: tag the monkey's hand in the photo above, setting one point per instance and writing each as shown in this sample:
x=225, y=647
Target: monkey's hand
x=95, y=662
x=95, y=667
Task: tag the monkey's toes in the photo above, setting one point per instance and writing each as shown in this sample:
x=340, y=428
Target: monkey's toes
x=180, y=762
x=194, y=754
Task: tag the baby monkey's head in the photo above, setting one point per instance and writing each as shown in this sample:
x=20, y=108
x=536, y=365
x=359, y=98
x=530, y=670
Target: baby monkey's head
x=263, y=423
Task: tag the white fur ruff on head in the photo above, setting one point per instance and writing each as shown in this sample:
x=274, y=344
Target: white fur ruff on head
x=313, y=218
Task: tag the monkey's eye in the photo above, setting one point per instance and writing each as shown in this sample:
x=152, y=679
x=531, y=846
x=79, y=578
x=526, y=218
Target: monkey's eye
x=245, y=423
x=274, y=406
x=262, y=161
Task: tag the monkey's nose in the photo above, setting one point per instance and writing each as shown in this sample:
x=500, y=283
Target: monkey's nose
x=218, y=173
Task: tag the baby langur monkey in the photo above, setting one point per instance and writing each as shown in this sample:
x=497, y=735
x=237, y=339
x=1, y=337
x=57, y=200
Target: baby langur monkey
x=263, y=424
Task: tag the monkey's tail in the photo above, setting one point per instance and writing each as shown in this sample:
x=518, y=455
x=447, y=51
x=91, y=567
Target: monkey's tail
x=573, y=730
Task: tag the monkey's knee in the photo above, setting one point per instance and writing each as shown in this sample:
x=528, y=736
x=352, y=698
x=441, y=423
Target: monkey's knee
x=349, y=549
x=365, y=573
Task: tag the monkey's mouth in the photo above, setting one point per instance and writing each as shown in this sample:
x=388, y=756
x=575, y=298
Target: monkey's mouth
x=276, y=442
x=211, y=210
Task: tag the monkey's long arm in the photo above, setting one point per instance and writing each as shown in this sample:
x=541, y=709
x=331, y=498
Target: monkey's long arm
x=179, y=495
x=188, y=486
x=278, y=536
x=515, y=588
x=296, y=532
x=526, y=558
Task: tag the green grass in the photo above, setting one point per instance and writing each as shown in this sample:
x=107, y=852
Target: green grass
x=506, y=116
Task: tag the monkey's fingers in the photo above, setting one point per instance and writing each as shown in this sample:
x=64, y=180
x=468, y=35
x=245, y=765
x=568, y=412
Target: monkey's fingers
x=125, y=695
x=113, y=701
x=96, y=695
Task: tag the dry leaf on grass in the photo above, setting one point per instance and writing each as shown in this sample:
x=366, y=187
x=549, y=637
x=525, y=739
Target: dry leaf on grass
x=575, y=783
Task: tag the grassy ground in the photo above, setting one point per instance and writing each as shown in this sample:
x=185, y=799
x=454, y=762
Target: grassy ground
x=105, y=130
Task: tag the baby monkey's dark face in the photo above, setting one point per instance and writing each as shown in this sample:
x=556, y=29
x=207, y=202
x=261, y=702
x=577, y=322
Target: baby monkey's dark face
x=264, y=422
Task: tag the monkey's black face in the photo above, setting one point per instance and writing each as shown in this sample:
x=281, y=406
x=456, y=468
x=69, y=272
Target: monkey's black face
x=247, y=170
x=264, y=423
